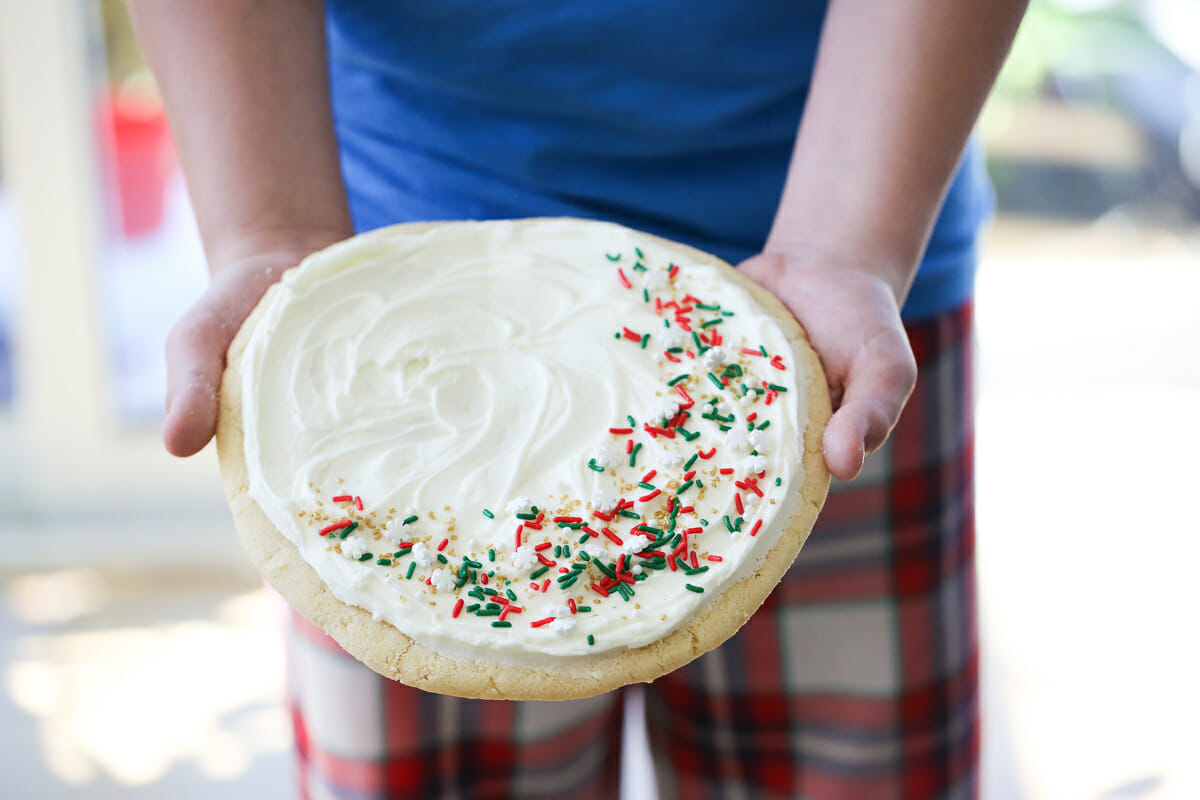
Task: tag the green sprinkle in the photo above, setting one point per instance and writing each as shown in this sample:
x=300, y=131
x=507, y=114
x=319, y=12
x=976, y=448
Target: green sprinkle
x=346, y=531
x=366, y=556
x=695, y=570
x=501, y=623
x=699, y=344
x=711, y=322
x=632, y=421
x=617, y=335
x=762, y=350
x=691, y=588
x=707, y=307
x=764, y=424
x=411, y=520
x=678, y=378
x=470, y=562
x=488, y=514
x=689, y=435
x=728, y=524
x=645, y=295
x=645, y=338
x=625, y=512
x=704, y=522
x=591, y=640
x=776, y=387
x=674, y=349
x=723, y=427
x=584, y=538
x=558, y=551
x=607, y=570
x=491, y=554
x=490, y=610
x=471, y=609
x=566, y=551
x=591, y=465
x=403, y=551
x=570, y=580
x=779, y=481
x=683, y=487
x=583, y=609
x=639, y=252
x=666, y=323
x=727, y=313
x=633, y=454
x=527, y=515
x=442, y=559
x=645, y=485
x=734, y=370
x=690, y=461
x=383, y=562
x=716, y=382
x=611, y=257
x=411, y=567
x=650, y=529
x=639, y=267
x=510, y=594
x=699, y=484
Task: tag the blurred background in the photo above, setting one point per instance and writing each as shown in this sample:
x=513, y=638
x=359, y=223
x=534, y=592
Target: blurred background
x=140, y=658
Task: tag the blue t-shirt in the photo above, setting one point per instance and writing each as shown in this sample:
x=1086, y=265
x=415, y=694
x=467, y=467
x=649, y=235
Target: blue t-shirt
x=673, y=116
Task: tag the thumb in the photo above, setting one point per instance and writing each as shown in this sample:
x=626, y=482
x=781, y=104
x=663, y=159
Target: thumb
x=880, y=380
x=195, y=360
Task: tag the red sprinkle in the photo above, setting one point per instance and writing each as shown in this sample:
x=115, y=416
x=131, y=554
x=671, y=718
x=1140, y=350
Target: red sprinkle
x=712, y=452
x=458, y=604
x=568, y=519
x=519, y=529
x=612, y=537
x=715, y=558
x=687, y=509
x=691, y=473
x=694, y=530
x=571, y=604
x=342, y=498
x=752, y=417
x=483, y=578
x=777, y=363
x=588, y=530
x=694, y=560
x=539, y=623
x=646, y=498
x=337, y=526
x=672, y=272
x=533, y=586
x=726, y=470
x=601, y=515
x=546, y=561
x=737, y=499
x=442, y=546
x=649, y=476
x=631, y=336
x=746, y=351
x=545, y=585
x=624, y=281
x=537, y=526
x=682, y=393
x=628, y=446
x=600, y=590
x=358, y=502
x=539, y=548
x=757, y=525
x=671, y=357
x=620, y=431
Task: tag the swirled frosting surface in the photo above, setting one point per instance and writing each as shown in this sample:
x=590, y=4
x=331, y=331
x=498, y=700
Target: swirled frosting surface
x=563, y=438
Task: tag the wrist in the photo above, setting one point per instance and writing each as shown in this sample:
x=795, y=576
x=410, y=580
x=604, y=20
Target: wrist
x=894, y=267
x=274, y=244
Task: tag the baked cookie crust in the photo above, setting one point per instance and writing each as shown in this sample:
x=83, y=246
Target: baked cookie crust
x=395, y=655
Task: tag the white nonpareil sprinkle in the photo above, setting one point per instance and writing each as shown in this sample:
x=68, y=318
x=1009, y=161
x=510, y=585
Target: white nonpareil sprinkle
x=637, y=569
x=671, y=337
x=396, y=532
x=759, y=441
x=524, y=557
x=752, y=465
x=442, y=580
x=558, y=611
x=595, y=550
x=671, y=459
x=714, y=356
x=421, y=555
x=748, y=399
x=663, y=408
x=603, y=501
x=737, y=441
x=353, y=547
x=519, y=505
x=562, y=626
x=605, y=456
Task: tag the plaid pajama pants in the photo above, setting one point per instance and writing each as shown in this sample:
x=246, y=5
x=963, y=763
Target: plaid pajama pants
x=858, y=678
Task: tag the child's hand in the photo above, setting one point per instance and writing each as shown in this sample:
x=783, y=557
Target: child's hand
x=853, y=321
x=197, y=344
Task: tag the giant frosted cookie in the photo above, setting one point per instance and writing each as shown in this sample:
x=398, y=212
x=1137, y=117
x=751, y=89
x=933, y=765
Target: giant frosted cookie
x=537, y=459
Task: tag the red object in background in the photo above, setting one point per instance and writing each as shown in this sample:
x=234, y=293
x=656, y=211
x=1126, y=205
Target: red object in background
x=142, y=160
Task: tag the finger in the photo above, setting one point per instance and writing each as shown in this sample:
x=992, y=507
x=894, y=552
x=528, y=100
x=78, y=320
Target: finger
x=195, y=360
x=881, y=379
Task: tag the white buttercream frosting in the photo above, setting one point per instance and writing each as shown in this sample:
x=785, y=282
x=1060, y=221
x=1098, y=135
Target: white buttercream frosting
x=480, y=367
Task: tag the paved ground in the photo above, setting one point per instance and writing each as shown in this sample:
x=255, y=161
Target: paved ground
x=152, y=683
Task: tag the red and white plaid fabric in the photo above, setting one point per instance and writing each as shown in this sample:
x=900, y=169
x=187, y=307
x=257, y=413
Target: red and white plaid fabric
x=858, y=678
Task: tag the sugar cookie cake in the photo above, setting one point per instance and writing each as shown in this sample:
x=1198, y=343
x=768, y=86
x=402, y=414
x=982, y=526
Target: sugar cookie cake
x=532, y=459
